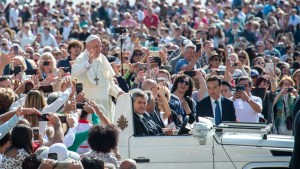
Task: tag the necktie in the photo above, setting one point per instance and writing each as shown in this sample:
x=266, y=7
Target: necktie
x=218, y=118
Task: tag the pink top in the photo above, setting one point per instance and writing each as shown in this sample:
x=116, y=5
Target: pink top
x=129, y=22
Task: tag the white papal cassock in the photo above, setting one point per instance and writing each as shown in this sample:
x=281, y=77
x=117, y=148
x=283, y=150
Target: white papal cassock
x=97, y=90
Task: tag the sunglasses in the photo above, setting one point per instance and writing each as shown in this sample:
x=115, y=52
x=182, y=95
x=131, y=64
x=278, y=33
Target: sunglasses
x=217, y=60
x=138, y=54
x=184, y=82
x=240, y=57
x=260, y=62
x=3, y=44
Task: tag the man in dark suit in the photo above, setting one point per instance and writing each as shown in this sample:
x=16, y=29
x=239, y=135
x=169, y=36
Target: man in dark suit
x=215, y=105
x=294, y=163
x=143, y=126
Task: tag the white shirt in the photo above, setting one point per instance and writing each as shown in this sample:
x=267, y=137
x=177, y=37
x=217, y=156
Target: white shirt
x=213, y=105
x=244, y=112
x=294, y=21
x=140, y=15
x=48, y=40
x=66, y=32
x=13, y=17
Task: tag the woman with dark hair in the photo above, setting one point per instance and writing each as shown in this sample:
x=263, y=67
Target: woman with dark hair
x=20, y=147
x=183, y=88
x=214, y=62
x=136, y=56
x=102, y=140
x=285, y=70
x=267, y=82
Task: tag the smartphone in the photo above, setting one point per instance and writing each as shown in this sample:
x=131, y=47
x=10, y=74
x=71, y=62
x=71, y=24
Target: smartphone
x=126, y=66
x=52, y=156
x=79, y=105
x=46, y=63
x=16, y=49
x=36, y=134
x=269, y=67
x=191, y=73
x=31, y=71
x=17, y=69
x=79, y=88
x=66, y=69
x=63, y=119
x=46, y=89
x=42, y=117
x=156, y=59
x=229, y=51
x=142, y=66
x=240, y=88
x=235, y=64
x=290, y=89
x=154, y=54
x=198, y=46
x=220, y=72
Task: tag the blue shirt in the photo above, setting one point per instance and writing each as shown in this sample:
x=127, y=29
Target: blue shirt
x=180, y=64
x=268, y=8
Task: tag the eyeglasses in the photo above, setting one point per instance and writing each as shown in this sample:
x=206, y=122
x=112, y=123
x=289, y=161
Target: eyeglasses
x=260, y=62
x=29, y=52
x=184, y=82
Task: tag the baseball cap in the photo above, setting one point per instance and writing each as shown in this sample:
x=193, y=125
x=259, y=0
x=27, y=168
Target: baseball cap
x=254, y=73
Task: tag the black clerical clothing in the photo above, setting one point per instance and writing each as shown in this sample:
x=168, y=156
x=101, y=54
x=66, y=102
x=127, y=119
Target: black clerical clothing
x=144, y=127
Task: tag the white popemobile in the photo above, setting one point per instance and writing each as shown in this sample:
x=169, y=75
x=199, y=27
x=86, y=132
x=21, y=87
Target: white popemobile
x=228, y=146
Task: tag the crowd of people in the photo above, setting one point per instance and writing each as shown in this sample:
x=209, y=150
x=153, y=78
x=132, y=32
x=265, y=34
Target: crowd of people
x=63, y=67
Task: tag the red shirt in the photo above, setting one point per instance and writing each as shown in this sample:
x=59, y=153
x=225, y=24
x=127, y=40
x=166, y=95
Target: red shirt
x=151, y=21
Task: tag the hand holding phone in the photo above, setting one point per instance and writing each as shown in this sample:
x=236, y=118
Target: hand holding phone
x=198, y=47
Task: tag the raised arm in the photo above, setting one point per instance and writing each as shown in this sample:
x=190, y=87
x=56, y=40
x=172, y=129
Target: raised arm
x=58, y=130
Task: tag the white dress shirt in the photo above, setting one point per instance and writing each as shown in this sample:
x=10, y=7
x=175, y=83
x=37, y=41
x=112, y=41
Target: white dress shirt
x=213, y=105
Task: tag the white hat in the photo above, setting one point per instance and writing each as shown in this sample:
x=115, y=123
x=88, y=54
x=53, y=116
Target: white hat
x=61, y=151
x=91, y=37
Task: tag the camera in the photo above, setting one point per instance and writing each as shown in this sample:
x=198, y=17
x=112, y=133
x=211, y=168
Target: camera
x=46, y=63
x=289, y=89
x=120, y=30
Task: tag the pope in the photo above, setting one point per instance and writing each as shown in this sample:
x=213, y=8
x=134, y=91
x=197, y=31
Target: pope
x=92, y=69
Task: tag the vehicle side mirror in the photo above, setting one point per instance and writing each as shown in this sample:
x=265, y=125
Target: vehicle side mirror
x=200, y=130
